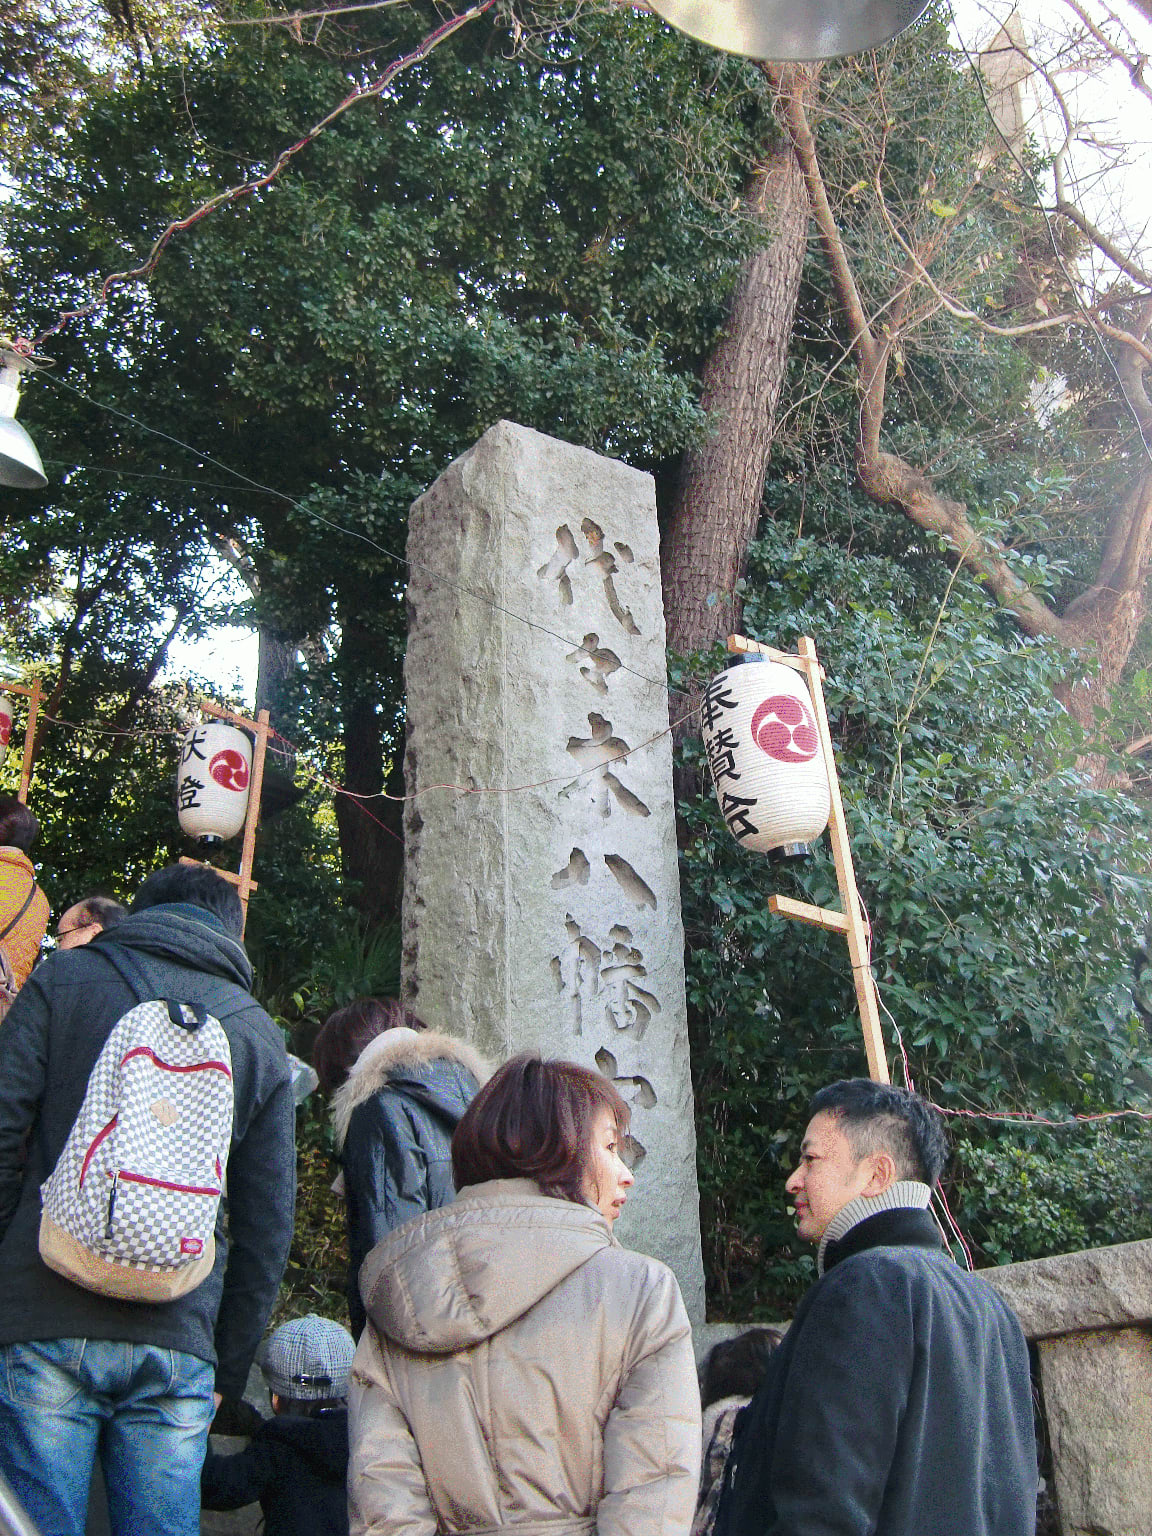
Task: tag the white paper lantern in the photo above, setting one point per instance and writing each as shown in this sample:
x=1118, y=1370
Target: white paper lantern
x=212, y=781
x=763, y=748
x=5, y=725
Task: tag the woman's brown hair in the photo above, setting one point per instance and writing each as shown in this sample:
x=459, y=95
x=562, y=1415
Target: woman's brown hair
x=533, y=1120
x=346, y=1032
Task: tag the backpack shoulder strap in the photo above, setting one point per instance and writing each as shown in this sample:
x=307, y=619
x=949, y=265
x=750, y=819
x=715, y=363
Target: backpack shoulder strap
x=135, y=977
x=28, y=900
x=129, y=971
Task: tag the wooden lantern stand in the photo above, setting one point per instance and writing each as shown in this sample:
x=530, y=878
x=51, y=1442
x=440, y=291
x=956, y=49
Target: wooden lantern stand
x=850, y=921
x=243, y=881
x=32, y=693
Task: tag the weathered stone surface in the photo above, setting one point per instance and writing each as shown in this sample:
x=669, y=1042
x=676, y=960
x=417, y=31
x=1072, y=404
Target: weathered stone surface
x=547, y=914
x=1099, y=1288
x=1098, y=1403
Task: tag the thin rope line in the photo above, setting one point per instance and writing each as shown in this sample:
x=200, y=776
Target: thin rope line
x=310, y=771
x=354, y=533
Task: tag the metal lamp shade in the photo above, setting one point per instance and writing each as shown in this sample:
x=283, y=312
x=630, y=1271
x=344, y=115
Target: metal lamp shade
x=212, y=781
x=20, y=465
x=5, y=725
x=785, y=30
x=764, y=752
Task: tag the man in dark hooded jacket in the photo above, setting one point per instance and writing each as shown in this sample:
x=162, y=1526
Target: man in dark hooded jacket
x=82, y=1373
x=899, y=1403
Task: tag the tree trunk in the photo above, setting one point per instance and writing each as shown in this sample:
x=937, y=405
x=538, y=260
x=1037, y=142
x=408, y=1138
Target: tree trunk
x=1105, y=619
x=370, y=827
x=276, y=664
x=721, y=483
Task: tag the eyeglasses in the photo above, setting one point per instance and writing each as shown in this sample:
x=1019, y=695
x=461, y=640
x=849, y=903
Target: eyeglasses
x=66, y=937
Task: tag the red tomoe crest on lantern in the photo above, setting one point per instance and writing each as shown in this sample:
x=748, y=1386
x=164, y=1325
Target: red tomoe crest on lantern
x=212, y=781
x=5, y=724
x=229, y=769
x=764, y=752
x=784, y=728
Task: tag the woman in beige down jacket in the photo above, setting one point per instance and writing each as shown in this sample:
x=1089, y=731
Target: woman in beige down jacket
x=521, y=1372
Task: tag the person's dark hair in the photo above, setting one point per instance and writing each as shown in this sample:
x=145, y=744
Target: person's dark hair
x=18, y=826
x=876, y=1117
x=533, y=1120
x=103, y=910
x=345, y=1033
x=198, y=887
x=736, y=1367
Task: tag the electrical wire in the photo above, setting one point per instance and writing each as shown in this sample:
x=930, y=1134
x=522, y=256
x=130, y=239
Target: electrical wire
x=428, y=571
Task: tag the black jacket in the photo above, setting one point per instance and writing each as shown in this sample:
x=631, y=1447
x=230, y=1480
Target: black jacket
x=898, y=1404
x=393, y=1122
x=295, y=1466
x=50, y=1041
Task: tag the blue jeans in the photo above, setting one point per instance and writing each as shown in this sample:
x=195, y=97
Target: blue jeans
x=145, y=1411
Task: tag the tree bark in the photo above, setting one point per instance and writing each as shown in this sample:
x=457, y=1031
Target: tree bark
x=370, y=826
x=1104, y=619
x=276, y=664
x=721, y=483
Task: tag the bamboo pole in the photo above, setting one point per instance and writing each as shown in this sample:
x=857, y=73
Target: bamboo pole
x=850, y=921
x=34, y=696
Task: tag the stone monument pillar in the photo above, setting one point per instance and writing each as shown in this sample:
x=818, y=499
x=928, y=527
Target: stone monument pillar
x=542, y=908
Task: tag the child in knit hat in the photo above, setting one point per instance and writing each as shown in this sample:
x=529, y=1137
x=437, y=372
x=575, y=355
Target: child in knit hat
x=296, y=1463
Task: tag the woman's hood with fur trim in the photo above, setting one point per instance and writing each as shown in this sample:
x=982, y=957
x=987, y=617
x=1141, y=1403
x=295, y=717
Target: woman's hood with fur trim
x=402, y=1059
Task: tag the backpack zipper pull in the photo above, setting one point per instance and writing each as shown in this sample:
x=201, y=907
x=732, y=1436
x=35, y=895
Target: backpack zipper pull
x=111, y=1206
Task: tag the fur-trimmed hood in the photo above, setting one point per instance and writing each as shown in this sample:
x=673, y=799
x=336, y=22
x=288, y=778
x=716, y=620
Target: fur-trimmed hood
x=405, y=1061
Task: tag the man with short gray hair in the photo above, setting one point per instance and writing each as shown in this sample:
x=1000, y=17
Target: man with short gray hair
x=899, y=1403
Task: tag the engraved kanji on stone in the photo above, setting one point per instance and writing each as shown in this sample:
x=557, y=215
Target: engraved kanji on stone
x=604, y=984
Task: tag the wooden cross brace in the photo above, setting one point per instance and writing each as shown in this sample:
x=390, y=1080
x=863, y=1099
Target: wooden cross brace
x=32, y=693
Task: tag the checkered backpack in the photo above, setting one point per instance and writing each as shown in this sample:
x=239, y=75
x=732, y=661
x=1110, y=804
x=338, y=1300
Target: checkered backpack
x=130, y=1208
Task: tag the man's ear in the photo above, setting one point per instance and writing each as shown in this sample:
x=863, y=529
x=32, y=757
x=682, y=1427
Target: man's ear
x=883, y=1174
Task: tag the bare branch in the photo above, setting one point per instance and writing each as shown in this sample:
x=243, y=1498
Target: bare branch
x=1135, y=66
x=1101, y=241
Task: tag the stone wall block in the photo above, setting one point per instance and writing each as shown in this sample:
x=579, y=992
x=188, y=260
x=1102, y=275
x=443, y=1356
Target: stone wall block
x=550, y=917
x=1097, y=1288
x=1098, y=1403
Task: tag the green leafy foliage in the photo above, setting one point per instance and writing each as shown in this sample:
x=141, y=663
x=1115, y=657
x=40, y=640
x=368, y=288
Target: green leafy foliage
x=317, y=1270
x=1005, y=897
x=531, y=225
x=543, y=226
x=1078, y=1189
